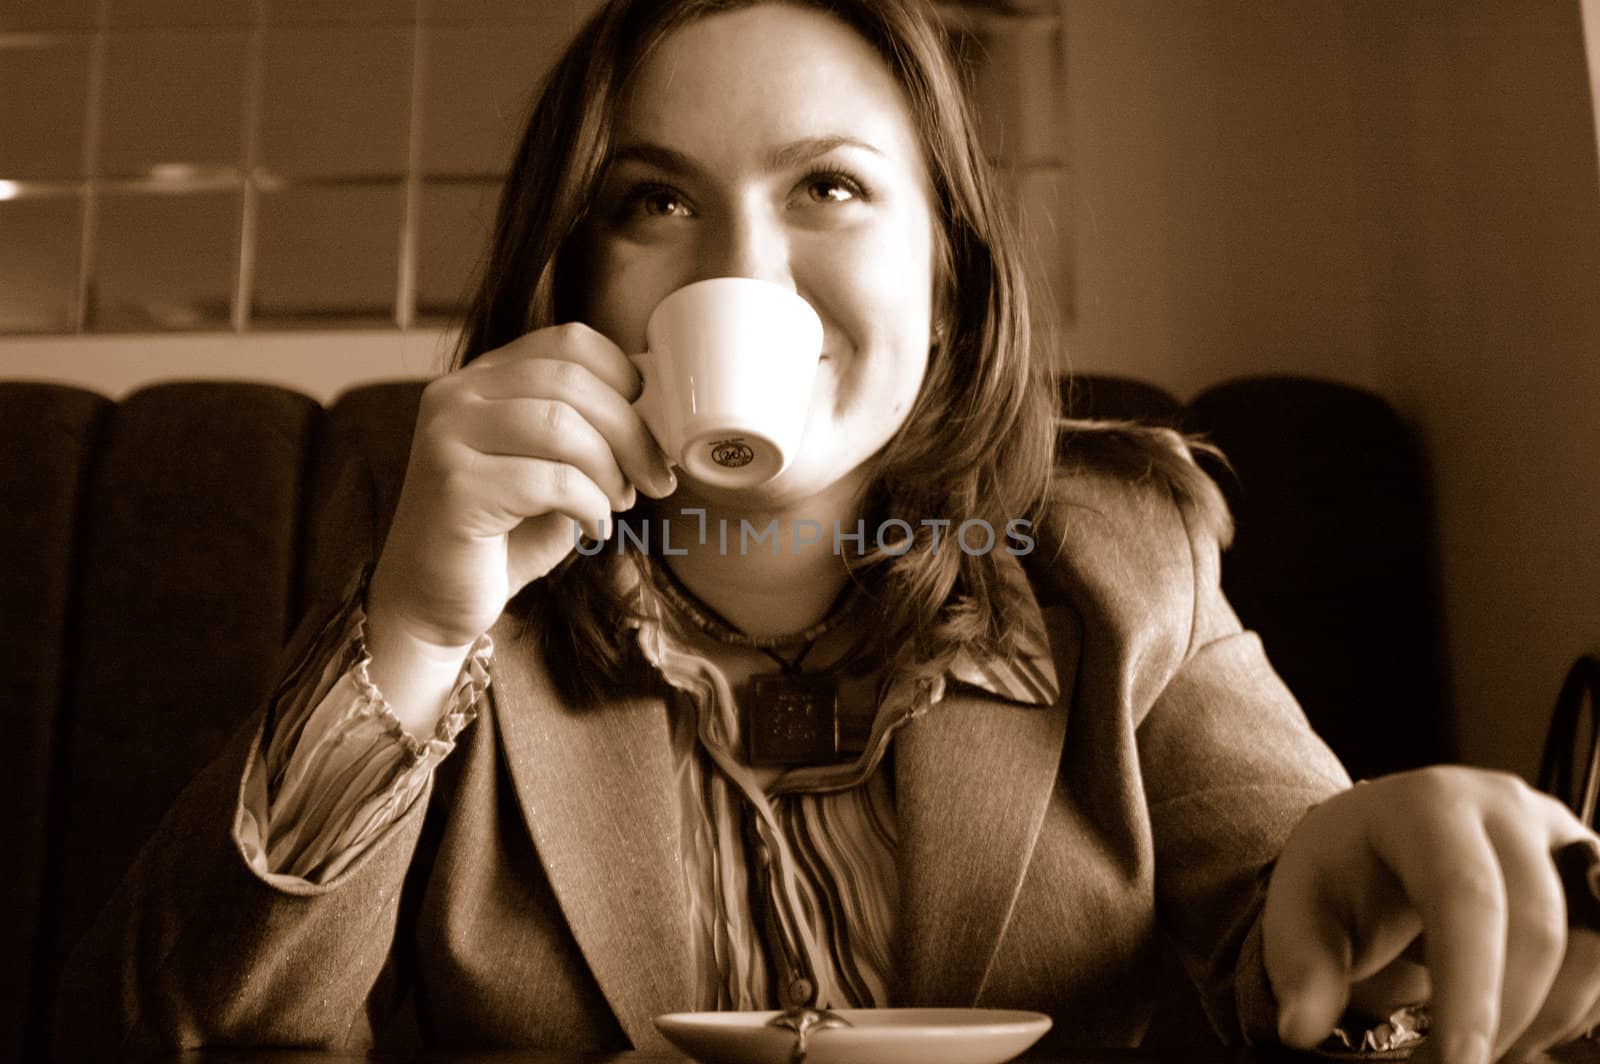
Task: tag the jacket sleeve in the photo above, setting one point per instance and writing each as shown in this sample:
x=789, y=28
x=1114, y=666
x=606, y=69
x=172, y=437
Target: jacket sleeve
x=204, y=943
x=338, y=768
x=1231, y=765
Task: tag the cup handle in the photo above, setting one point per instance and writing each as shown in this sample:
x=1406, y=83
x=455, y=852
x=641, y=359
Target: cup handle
x=649, y=402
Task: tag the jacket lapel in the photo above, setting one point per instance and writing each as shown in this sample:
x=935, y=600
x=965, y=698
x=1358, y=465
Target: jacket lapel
x=597, y=790
x=973, y=778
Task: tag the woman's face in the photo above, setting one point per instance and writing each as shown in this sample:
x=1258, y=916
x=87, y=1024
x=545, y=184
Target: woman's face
x=772, y=142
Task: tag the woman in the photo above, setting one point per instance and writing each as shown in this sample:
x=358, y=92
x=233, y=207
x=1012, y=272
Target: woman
x=1044, y=762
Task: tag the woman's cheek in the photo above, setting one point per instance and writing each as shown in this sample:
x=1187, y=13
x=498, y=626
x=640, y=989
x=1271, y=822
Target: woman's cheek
x=626, y=281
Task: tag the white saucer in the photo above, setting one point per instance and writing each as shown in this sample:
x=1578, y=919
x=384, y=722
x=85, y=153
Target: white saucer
x=875, y=1036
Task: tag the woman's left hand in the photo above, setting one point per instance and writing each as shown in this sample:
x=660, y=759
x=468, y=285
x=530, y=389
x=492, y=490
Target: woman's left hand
x=1462, y=858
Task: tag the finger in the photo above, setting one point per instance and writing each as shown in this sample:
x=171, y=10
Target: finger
x=570, y=342
x=598, y=401
x=1572, y=1005
x=1306, y=951
x=1462, y=902
x=1348, y=931
x=551, y=429
x=512, y=489
x=1536, y=927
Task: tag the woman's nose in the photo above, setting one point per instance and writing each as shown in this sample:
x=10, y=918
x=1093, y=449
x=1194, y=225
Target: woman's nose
x=747, y=244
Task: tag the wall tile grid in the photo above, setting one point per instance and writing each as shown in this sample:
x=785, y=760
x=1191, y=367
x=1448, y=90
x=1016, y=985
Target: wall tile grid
x=291, y=164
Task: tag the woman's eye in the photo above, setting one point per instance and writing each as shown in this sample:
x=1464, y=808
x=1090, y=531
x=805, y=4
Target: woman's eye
x=654, y=201
x=831, y=187
x=663, y=204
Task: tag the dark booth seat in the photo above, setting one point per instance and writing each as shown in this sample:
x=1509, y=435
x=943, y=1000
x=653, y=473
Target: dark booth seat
x=159, y=549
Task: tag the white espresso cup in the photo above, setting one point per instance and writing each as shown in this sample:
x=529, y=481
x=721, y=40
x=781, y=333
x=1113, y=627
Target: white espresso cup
x=728, y=376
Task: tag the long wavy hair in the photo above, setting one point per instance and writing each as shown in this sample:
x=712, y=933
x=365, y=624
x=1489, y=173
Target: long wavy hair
x=980, y=440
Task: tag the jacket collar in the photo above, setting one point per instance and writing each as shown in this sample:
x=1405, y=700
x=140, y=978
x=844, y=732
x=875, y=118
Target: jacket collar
x=1027, y=677
x=597, y=790
x=973, y=778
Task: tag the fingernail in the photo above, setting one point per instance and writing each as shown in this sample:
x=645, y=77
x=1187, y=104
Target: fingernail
x=667, y=483
x=1470, y=1048
x=630, y=498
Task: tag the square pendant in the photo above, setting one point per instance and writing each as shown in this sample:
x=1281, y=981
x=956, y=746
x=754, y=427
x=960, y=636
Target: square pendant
x=793, y=719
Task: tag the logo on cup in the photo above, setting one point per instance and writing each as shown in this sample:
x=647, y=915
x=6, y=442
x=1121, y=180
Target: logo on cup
x=732, y=453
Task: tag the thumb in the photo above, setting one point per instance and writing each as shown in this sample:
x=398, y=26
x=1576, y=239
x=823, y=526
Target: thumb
x=1307, y=954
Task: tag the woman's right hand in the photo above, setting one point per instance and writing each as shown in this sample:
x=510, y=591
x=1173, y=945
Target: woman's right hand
x=509, y=453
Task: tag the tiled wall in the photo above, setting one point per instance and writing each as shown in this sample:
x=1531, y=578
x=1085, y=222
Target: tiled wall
x=280, y=164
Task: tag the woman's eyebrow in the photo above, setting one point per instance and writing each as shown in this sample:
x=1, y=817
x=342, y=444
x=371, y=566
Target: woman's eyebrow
x=783, y=157
x=807, y=148
x=656, y=155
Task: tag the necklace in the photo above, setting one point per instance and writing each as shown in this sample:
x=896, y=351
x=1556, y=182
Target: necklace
x=793, y=717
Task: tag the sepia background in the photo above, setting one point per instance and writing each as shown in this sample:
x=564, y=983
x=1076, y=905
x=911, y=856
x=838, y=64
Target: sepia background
x=1402, y=195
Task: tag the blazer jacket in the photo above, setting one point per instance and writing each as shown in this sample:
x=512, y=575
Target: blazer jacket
x=533, y=896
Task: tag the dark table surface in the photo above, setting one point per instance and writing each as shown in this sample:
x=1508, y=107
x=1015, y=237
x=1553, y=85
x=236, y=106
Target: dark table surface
x=1110, y=1056
x=1577, y=1053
